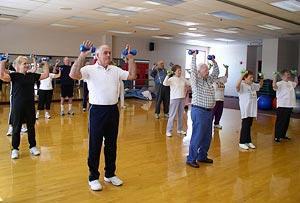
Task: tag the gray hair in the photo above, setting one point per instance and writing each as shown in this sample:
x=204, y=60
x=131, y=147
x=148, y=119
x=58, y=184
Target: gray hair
x=201, y=66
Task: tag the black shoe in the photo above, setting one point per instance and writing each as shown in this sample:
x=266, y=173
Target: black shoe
x=193, y=164
x=286, y=138
x=277, y=139
x=207, y=160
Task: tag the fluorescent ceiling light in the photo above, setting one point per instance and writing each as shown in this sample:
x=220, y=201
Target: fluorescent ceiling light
x=152, y=3
x=12, y=11
x=63, y=25
x=224, y=40
x=112, y=14
x=162, y=37
x=169, y=2
x=120, y=32
x=42, y=1
x=225, y=31
x=270, y=27
x=82, y=18
x=181, y=22
x=226, y=15
x=105, y=9
x=290, y=5
x=147, y=28
x=7, y=17
x=192, y=28
x=66, y=9
x=133, y=8
x=191, y=34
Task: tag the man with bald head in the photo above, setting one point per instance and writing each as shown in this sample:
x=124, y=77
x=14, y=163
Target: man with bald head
x=203, y=101
x=103, y=81
x=162, y=92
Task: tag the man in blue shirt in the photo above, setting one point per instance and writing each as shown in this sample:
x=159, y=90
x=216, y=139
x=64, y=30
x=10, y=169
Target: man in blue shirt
x=162, y=92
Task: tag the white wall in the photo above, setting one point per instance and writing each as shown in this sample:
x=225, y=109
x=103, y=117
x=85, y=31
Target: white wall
x=269, y=57
x=236, y=57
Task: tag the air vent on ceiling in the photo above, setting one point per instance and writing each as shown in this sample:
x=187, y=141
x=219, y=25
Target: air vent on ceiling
x=169, y=2
x=7, y=17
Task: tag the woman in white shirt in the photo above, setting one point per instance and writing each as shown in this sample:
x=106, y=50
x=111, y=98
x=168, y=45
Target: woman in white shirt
x=248, y=106
x=219, y=87
x=286, y=100
x=177, y=94
x=45, y=95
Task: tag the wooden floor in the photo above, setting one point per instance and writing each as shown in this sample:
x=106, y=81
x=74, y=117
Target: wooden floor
x=152, y=166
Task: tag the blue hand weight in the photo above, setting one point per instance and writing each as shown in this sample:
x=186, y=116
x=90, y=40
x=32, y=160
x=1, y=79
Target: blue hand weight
x=191, y=52
x=3, y=57
x=83, y=48
x=132, y=52
x=211, y=57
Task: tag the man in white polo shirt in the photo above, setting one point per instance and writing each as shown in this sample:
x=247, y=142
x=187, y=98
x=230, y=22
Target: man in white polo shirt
x=103, y=84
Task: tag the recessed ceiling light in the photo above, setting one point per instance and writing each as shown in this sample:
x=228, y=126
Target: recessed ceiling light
x=226, y=15
x=12, y=11
x=270, y=27
x=66, y=9
x=120, y=32
x=162, y=37
x=42, y=1
x=4, y=17
x=85, y=19
x=152, y=3
x=112, y=14
x=122, y=12
x=63, y=25
x=181, y=22
x=147, y=28
x=169, y=2
x=133, y=8
x=224, y=40
x=225, y=31
x=192, y=28
x=191, y=34
x=290, y=5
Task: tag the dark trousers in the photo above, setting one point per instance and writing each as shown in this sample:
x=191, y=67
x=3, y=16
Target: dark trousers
x=218, y=111
x=19, y=113
x=103, y=122
x=45, y=98
x=245, y=134
x=163, y=95
x=1, y=85
x=283, y=116
x=85, y=95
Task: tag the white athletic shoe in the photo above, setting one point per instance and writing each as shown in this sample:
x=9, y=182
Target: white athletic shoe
x=114, y=180
x=157, y=116
x=23, y=129
x=95, y=185
x=34, y=151
x=218, y=126
x=37, y=115
x=181, y=132
x=62, y=113
x=9, y=131
x=15, y=154
x=244, y=146
x=251, y=146
x=71, y=112
x=47, y=115
x=168, y=134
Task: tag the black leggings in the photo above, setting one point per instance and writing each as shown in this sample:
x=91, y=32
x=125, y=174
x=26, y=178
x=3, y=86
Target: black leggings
x=45, y=98
x=245, y=136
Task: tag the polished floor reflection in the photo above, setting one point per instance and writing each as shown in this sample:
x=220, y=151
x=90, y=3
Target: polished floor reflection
x=152, y=166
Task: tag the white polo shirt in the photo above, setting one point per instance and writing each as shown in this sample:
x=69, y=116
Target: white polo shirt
x=46, y=84
x=177, y=86
x=248, y=99
x=285, y=94
x=103, y=84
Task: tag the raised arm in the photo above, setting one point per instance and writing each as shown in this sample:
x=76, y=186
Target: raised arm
x=33, y=69
x=58, y=74
x=194, y=72
x=45, y=73
x=3, y=73
x=55, y=66
x=238, y=85
x=79, y=62
x=275, y=87
x=215, y=73
x=154, y=71
x=131, y=67
x=166, y=81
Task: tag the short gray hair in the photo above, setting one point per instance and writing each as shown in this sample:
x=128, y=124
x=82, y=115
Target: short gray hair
x=201, y=66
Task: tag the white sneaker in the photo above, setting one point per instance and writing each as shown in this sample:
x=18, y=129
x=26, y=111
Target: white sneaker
x=15, y=154
x=114, y=180
x=9, y=131
x=157, y=116
x=244, y=146
x=250, y=145
x=181, y=132
x=47, y=115
x=34, y=151
x=218, y=126
x=168, y=134
x=95, y=185
x=23, y=129
x=62, y=113
x=37, y=115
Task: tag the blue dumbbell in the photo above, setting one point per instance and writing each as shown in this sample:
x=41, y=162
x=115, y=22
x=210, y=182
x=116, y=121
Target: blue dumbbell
x=132, y=52
x=211, y=57
x=191, y=52
x=3, y=57
x=84, y=49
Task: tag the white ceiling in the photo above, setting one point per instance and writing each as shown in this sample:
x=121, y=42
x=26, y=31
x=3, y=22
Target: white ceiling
x=43, y=13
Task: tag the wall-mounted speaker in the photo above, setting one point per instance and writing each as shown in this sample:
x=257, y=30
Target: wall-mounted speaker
x=151, y=46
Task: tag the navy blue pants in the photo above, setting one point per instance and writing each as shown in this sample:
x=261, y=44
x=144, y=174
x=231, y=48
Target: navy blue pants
x=103, y=123
x=85, y=95
x=201, y=134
